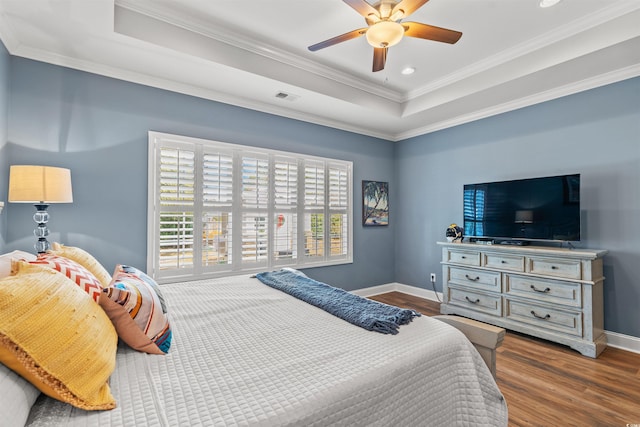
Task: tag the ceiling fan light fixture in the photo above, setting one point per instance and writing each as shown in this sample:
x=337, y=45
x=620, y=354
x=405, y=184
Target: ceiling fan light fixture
x=397, y=15
x=384, y=34
x=373, y=18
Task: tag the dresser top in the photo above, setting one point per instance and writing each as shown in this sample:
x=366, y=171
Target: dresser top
x=529, y=250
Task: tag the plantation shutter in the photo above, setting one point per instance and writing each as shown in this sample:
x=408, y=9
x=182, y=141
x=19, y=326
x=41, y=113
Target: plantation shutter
x=176, y=208
x=285, y=220
x=255, y=203
x=217, y=208
x=338, y=210
x=314, y=214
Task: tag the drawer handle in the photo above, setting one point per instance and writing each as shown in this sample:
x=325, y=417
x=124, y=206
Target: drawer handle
x=503, y=261
x=472, y=278
x=543, y=291
x=537, y=316
x=463, y=257
x=553, y=267
x=477, y=300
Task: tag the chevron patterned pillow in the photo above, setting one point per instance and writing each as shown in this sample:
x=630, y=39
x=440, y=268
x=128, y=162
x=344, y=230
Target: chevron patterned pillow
x=74, y=271
x=83, y=258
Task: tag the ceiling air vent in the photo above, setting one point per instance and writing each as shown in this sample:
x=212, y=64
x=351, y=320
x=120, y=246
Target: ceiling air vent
x=287, y=96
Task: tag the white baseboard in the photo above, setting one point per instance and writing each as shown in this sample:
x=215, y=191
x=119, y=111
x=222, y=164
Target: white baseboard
x=399, y=287
x=623, y=342
x=614, y=339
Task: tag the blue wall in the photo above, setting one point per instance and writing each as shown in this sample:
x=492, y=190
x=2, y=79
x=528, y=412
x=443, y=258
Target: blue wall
x=595, y=133
x=97, y=127
x=4, y=161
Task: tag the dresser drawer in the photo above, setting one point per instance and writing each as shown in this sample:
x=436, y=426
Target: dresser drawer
x=456, y=256
x=549, y=291
x=540, y=316
x=462, y=297
x=556, y=268
x=487, y=280
x=504, y=262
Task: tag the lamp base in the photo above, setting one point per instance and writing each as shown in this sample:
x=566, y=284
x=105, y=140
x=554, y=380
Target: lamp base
x=41, y=217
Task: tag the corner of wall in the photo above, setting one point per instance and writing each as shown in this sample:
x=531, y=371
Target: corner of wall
x=4, y=125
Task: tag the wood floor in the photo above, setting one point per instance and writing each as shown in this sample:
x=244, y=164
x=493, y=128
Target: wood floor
x=547, y=384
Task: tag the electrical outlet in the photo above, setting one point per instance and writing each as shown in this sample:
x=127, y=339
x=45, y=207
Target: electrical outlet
x=1, y=206
x=433, y=277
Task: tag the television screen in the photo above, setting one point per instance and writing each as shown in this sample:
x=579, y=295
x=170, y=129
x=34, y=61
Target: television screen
x=545, y=208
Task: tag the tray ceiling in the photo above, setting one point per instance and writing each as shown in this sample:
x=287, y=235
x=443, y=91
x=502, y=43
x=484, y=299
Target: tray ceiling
x=254, y=54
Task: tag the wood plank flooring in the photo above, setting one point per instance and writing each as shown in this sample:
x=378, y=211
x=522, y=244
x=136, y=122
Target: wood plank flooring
x=547, y=384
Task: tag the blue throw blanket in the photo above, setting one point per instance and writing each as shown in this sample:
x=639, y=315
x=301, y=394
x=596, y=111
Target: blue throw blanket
x=368, y=314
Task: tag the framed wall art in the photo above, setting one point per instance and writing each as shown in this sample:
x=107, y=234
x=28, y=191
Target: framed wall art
x=375, y=203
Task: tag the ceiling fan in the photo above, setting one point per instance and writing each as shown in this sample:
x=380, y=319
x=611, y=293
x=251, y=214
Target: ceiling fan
x=385, y=28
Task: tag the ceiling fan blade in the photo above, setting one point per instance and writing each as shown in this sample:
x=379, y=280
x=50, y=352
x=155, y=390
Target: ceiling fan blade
x=408, y=6
x=362, y=7
x=430, y=32
x=379, y=58
x=338, y=39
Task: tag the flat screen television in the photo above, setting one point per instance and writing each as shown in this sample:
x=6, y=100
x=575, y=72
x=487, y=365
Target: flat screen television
x=523, y=210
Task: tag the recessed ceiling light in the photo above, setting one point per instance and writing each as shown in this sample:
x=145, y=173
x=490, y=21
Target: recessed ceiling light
x=407, y=71
x=549, y=3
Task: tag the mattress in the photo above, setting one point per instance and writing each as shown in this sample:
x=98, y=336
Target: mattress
x=246, y=354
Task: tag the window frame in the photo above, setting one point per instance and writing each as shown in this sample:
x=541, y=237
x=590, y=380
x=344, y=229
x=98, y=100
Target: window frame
x=158, y=141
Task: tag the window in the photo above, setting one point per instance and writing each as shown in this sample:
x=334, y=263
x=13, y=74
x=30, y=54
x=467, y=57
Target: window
x=218, y=208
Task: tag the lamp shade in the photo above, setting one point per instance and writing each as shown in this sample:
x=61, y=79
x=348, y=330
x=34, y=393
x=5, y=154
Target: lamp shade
x=39, y=184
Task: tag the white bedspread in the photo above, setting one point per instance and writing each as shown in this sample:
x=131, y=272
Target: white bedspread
x=246, y=354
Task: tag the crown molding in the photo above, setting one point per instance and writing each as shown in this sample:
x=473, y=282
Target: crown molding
x=15, y=47
x=145, y=79
x=558, y=92
x=578, y=26
x=191, y=90
x=6, y=35
x=242, y=41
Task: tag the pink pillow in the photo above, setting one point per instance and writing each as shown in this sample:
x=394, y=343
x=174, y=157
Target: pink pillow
x=135, y=305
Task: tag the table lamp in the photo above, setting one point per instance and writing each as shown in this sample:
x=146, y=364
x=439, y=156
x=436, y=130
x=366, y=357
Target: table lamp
x=40, y=185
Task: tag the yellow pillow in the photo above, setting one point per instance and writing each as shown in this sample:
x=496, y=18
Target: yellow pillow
x=85, y=259
x=54, y=335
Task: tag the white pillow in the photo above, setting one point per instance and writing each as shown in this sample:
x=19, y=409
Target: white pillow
x=18, y=396
x=5, y=261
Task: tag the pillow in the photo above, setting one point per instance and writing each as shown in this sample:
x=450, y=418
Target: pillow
x=85, y=259
x=74, y=271
x=135, y=305
x=5, y=261
x=56, y=338
x=18, y=396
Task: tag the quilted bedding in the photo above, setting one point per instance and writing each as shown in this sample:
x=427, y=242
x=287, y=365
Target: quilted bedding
x=247, y=354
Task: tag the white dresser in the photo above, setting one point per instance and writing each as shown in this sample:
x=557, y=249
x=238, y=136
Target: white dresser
x=550, y=293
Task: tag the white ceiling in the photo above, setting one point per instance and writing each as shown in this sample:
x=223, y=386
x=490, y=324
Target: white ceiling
x=512, y=54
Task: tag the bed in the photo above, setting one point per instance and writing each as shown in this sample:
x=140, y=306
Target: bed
x=246, y=354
